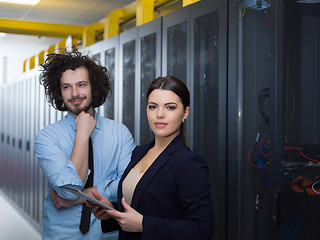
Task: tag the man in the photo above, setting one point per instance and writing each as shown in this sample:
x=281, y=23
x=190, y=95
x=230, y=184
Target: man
x=75, y=83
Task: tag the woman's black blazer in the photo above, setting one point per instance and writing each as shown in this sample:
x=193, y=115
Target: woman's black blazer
x=173, y=196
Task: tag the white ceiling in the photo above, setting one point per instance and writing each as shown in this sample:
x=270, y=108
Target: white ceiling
x=75, y=12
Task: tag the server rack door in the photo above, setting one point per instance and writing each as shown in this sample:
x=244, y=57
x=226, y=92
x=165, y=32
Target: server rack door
x=36, y=163
x=299, y=166
x=176, y=44
x=9, y=144
x=42, y=179
x=6, y=141
x=209, y=103
x=23, y=146
x=128, y=71
x=19, y=143
x=33, y=186
x=111, y=62
x=149, y=65
x=27, y=150
x=15, y=135
x=1, y=137
x=249, y=77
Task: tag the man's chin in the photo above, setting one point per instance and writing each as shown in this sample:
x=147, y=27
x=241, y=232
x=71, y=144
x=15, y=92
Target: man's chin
x=77, y=111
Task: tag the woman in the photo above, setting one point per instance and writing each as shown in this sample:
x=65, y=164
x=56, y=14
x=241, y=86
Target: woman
x=164, y=193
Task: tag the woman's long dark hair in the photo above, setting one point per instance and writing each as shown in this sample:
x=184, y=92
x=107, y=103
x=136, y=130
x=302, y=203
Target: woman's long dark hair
x=178, y=87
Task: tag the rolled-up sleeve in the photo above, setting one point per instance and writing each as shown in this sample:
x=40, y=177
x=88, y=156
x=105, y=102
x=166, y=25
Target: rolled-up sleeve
x=56, y=165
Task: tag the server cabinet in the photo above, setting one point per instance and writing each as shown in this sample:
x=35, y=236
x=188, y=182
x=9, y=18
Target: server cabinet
x=15, y=153
x=176, y=44
x=254, y=67
x=2, y=160
x=300, y=185
x=9, y=145
x=127, y=79
x=208, y=86
x=149, y=68
x=111, y=62
x=43, y=185
x=31, y=127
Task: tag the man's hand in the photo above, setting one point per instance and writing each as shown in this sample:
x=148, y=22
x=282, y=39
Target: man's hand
x=85, y=124
x=99, y=212
x=60, y=202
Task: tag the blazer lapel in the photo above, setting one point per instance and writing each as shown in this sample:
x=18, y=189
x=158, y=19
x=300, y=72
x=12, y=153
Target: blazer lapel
x=154, y=168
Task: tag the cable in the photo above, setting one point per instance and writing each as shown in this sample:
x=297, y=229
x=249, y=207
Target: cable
x=313, y=188
x=244, y=10
x=267, y=13
x=264, y=93
x=299, y=149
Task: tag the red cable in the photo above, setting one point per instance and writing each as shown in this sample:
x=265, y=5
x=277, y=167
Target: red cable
x=308, y=157
x=248, y=158
x=268, y=14
x=299, y=149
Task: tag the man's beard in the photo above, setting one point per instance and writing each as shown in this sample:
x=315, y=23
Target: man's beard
x=76, y=110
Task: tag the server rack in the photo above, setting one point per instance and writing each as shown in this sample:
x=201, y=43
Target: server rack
x=111, y=62
x=149, y=68
x=300, y=149
x=128, y=79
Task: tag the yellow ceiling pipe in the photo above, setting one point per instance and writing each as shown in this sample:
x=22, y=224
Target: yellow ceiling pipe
x=61, y=45
x=32, y=62
x=41, y=57
x=39, y=28
x=111, y=23
x=51, y=49
x=145, y=12
x=142, y=10
x=25, y=65
x=89, y=33
x=188, y=2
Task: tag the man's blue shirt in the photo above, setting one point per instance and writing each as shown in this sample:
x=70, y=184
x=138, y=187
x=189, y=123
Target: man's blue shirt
x=112, y=146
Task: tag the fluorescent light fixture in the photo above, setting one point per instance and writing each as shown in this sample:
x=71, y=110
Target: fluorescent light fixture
x=25, y=2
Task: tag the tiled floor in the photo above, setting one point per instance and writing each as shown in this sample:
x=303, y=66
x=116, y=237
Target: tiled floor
x=13, y=226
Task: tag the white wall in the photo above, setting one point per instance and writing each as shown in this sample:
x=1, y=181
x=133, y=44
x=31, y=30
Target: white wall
x=14, y=49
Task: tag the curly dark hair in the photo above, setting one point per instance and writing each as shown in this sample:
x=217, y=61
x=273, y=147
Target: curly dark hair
x=56, y=64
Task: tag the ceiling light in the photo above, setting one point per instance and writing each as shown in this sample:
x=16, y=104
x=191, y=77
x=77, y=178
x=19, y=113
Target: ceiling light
x=26, y=2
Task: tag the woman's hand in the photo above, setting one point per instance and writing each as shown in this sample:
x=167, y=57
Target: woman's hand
x=99, y=212
x=130, y=220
